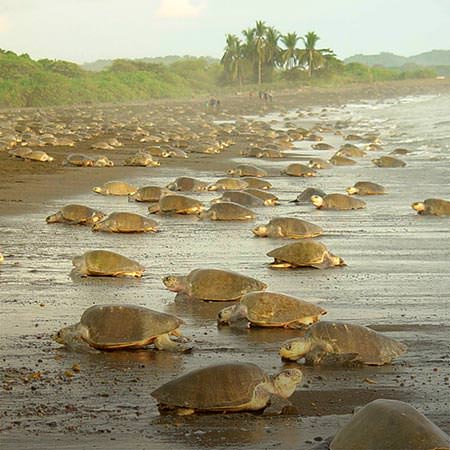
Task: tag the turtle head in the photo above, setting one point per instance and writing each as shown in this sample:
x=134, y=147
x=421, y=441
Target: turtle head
x=212, y=187
x=174, y=283
x=294, y=349
x=260, y=230
x=285, y=383
x=336, y=260
x=97, y=216
x=352, y=190
x=53, y=218
x=231, y=171
x=172, y=186
x=317, y=200
x=98, y=189
x=418, y=206
x=232, y=314
x=68, y=335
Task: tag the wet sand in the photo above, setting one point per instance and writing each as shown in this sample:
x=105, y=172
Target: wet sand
x=397, y=280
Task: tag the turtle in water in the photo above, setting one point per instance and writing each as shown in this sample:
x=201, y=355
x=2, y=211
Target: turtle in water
x=337, y=201
x=103, y=263
x=366, y=188
x=268, y=198
x=298, y=170
x=241, y=197
x=256, y=183
x=226, y=387
x=247, y=170
x=271, y=309
x=339, y=160
x=76, y=215
x=119, y=327
x=149, y=194
x=188, y=184
x=78, y=160
x=388, y=161
x=342, y=343
x=433, y=207
x=305, y=196
x=213, y=284
x=304, y=253
x=288, y=227
x=319, y=163
x=389, y=425
x=141, y=159
x=227, y=211
x=225, y=184
x=115, y=188
x=176, y=204
x=125, y=222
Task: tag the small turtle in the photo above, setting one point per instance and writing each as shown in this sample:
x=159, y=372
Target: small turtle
x=225, y=184
x=103, y=145
x=433, y=207
x=188, y=184
x=337, y=201
x=213, y=284
x=351, y=152
x=176, y=204
x=103, y=161
x=342, y=343
x=125, y=222
x=240, y=197
x=115, y=188
x=103, y=263
x=322, y=146
x=400, y=151
x=149, y=194
x=79, y=160
x=298, y=170
x=304, y=253
x=319, y=163
x=288, y=227
x=257, y=183
x=270, y=153
x=76, y=215
x=227, y=211
x=271, y=309
x=366, y=188
x=268, y=198
x=390, y=425
x=353, y=137
x=226, y=387
x=38, y=155
x=388, y=161
x=338, y=160
x=305, y=196
x=141, y=159
x=247, y=170
x=119, y=327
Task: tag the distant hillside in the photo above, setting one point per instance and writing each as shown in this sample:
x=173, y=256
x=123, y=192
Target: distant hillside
x=101, y=64
x=432, y=58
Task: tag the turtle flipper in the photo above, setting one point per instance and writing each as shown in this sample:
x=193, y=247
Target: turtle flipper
x=338, y=359
x=280, y=406
x=163, y=342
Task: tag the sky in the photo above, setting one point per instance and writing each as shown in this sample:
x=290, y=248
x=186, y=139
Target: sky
x=87, y=30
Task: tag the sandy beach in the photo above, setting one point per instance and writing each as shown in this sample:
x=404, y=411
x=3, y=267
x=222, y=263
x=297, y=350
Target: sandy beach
x=397, y=281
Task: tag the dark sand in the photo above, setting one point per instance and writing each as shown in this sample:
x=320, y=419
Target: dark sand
x=397, y=280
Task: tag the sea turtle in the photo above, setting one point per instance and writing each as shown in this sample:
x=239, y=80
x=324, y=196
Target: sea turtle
x=225, y=184
x=353, y=137
x=271, y=309
x=342, y=343
x=79, y=160
x=366, y=188
x=433, y=207
x=226, y=387
x=176, y=204
x=149, y=194
x=103, y=161
x=103, y=145
x=389, y=425
x=115, y=188
x=319, y=163
x=118, y=327
x=298, y=170
x=304, y=253
x=388, y=161
x=38, y=155
x=103, y=263
x=322, y=146
x=240, y=197
x=337, y=201
x=76, y=215
x=288, y=227
x=400, y=151
x=305, y=196
x=247, y=170
x=188, y=184
x=141, y=159
x=227, y=211
x=351, y=152
x=268, y=198
x=338, y=160
x=271, y=153
x=213, y=284
x=125, y=222
x=19, y=152
x=257, y=183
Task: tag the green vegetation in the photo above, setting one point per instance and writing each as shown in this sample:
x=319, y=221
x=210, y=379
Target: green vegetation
x=263, y=59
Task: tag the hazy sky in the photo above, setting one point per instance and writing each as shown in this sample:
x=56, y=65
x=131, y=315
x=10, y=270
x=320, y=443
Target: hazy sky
x=86, y=30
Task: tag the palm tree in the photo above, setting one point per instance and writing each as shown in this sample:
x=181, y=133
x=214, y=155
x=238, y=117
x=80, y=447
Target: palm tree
x=273, y=50
x=313, y=58
x=289, y=56
x=260, y=43
x=233, y=58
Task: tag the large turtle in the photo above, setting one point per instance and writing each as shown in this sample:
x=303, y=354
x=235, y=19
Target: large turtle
x=390, y=425
x=351, y=152
x=142, y=159
x=176, y=204
x=149, y=194
x=339, y=160
x=342, y=343
x=305, y=195
x=305, y=253
x=125, y=222
x=298, y=170
x=118, y=327
x=241, y=197
x=76, y=215
x=188, y=184
x=213, y=284
x=288, y=227
x=224, y=184
x=247, y=170
x=319, y=163
x=433, y=207
x=79, y=160
x=257, y=183
x=227, y=387
x=38, y=155
x=115, y=188
x=388, y=161
x=227, y=211
x=337, y=201
x=103, y=263
x=268, y=198
x=271, y=309
x=322, y=146
x=366, y=188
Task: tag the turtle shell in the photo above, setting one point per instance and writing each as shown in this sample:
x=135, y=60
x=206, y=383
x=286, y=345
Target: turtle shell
x=224, y=184
x=187, y=184
x=263, y=195
x=390, y=425
x=301, y=254
x=125, y=222
x=437, y=207
x=229, y=211
x=298, y=170
x=247, y=170
x=388, y=161
x=77, y=213
x=341, y=202
x=118, y=188
x=213, y=388
x=149, y=194
x=338, y=160
x=120, y=326
x=305, y=196
x=271, y=309
x=369, y=188
x=256, y=183
x=177, y=203
x=292, y=228
x=242, y=198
